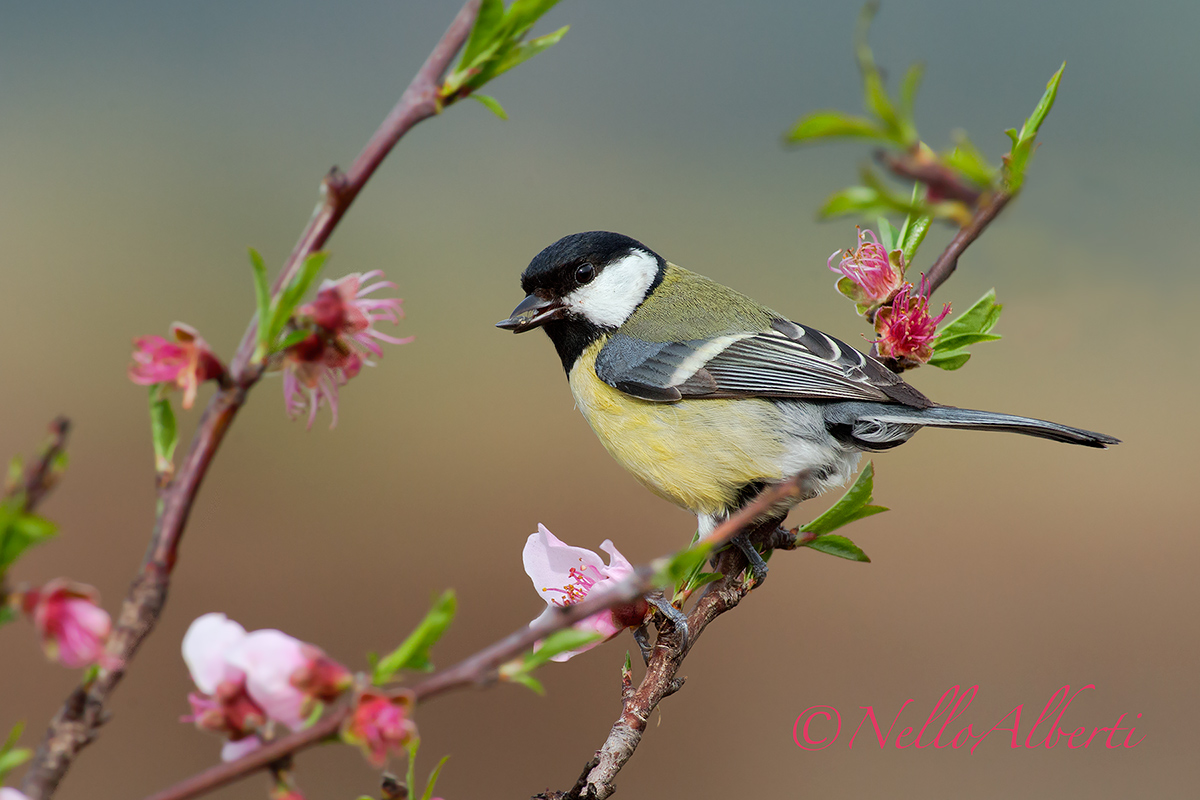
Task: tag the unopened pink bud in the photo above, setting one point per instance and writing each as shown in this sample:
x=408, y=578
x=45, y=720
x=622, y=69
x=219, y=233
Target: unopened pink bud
x=73, y=628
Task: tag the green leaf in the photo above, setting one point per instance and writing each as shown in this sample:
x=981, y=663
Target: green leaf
x=915, y=229
x=853, y=200
x=875, y=96
x=485, y=31
x=12, y=756
x=908, y=93
x=433, y=778
x=262, y=299
x=413, y=653
x=970, y=327
x=491, y=104
x=838, y=546
x=7, y=614
x=163, y=431
x=888, y=235
x=286, y=301
x=16, y=472
x=521, y=53
x=19, y=532
x=853, y=505
x=558, y=642
x=833, y=124
x=295, y=337
x=950, y=360
x=1023, y=142
x=529, y=682
x=683, y=565
x=965, y=339
x=967, y=159
x=522, y=14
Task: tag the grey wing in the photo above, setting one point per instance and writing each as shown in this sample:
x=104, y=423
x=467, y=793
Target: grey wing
x=787, y=362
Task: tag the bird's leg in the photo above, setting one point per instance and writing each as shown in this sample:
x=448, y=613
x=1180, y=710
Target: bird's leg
x=674, y=617
x=641, y=635
x=758, y=567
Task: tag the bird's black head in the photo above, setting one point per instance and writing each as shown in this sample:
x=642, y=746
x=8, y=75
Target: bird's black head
x=584, y=285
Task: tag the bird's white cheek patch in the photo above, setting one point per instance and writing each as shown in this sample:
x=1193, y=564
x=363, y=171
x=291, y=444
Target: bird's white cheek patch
x=617, y=290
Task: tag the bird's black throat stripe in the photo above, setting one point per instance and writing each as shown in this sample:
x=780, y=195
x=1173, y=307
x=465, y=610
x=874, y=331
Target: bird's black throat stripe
x=572, y=336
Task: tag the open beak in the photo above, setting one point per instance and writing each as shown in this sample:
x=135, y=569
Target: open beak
x=533, y=312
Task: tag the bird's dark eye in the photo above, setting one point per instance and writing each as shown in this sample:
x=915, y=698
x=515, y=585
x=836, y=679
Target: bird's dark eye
x=585, y=273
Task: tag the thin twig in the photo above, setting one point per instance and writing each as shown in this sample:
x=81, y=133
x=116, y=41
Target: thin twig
x=941, y=180
x=946, y=263
x=482, y=668
x=38, y=478
x=74, y=726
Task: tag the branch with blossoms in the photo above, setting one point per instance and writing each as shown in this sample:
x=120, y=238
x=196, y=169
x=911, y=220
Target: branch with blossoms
x=319, y=347
x=960, y=186
x=270, y=696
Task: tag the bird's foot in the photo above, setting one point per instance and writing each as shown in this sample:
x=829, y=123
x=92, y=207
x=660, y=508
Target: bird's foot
x=673, y=616
x=758, y=566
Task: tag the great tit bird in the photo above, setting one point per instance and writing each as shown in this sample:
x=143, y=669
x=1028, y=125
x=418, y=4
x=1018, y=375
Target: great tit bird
x=706, y=396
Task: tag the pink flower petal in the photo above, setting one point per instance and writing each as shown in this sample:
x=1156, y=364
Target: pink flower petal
x=206, y=645
x=269, y=658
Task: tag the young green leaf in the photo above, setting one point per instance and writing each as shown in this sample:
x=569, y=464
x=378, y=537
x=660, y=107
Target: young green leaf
x=433, y=778
x=838, y=546
x=979, y=318
x=521, y=53
x=7, y=613
x=491, y=104
x=1023, y=143
x=888, y=235
x=875, y=96
x=19, y=532
x=554, y=644
x=12, y=756
x=908, y=93
x=286, y=301
x=950, y=360
x=413, y=653
x=853, y=505
x=262, y=298
x=831, y=125
x=970, y=327
x=485, y=31
x=163, y=432
x=966, y=159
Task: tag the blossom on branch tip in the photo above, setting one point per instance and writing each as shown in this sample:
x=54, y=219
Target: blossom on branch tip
x=906, y=329
x=185, y=363
x=249, y=679
x=73, y=628
x=564, y=575
x=342, y=337
x=8, y=793
x=378, y=723
x=869, y=273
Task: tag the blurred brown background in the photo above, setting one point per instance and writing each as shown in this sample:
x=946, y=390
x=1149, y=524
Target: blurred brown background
x=144, y=146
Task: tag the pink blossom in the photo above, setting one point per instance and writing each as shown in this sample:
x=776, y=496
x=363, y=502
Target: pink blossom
x=343, y=308
x=905, y=328
x=8, y=793
x=286, y=677
x=379, y=723
x=247, y=679
x=73, y=628
x=343, y=341
x=564, y=575
x=187, y=362
x=869, y=274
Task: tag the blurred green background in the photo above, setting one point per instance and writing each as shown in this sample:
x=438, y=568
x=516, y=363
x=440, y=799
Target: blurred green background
x=144, y=146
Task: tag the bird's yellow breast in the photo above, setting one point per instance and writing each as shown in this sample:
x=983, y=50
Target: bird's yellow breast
x=696, y=453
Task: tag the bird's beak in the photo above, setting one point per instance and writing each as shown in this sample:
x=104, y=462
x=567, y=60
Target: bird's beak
x=533, y=312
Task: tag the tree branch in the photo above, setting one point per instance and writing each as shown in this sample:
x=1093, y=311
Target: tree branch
x=482, y=668
x=74, y=726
